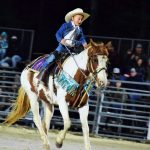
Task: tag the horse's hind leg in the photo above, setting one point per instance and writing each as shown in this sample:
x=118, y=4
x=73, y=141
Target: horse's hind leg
x=37, y=119
x=83, y=112
x=48, y=113
x=64, y=112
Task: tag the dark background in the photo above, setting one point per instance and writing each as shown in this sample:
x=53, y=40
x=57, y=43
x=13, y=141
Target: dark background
x=117, y=18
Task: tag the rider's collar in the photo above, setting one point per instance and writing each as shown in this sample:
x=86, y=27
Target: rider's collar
x=74, y=25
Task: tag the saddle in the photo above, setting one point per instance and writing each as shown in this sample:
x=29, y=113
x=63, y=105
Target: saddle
x=77, y=89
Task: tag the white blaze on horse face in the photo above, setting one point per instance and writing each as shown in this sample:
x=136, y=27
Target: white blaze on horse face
x=102, y=75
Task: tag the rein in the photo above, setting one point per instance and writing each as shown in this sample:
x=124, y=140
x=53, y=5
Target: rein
x=85, y=78
x=75, y=61
x=94, y=73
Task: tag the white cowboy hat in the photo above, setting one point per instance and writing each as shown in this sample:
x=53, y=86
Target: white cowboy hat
x=77, y=11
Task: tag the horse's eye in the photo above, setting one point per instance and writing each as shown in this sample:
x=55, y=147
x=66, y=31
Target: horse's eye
x=108, y=62
x=95, y=60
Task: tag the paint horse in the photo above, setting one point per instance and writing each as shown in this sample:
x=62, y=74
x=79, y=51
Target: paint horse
x=68, y=87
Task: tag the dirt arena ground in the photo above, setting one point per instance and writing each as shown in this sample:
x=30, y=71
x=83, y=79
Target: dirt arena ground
x=17, y=138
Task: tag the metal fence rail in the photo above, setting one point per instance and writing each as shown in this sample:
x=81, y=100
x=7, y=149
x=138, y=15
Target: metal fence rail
x=122, y=117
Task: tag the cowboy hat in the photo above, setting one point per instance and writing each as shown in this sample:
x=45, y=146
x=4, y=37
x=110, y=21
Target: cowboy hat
x=77, y=11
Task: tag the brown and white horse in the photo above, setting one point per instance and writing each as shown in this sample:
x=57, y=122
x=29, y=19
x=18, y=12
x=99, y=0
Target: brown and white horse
x=89, y=65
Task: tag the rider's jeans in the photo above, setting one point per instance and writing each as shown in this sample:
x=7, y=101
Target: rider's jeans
x=50, y=59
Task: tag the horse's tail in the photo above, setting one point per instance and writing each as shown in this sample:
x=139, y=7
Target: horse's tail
x=20, y=107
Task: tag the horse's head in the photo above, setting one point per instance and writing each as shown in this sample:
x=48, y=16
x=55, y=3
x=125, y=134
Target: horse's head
x=97, y=63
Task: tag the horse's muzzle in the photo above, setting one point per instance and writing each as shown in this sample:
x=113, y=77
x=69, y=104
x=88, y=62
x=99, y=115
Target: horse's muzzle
x=100, y=84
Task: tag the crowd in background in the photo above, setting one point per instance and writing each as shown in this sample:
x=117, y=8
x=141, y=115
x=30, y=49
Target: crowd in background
x=133, y=66
x=8, y=55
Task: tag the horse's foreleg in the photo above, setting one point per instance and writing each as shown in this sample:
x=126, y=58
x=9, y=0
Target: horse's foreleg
x=37, y=119
x=83, y=112
x=64, y=112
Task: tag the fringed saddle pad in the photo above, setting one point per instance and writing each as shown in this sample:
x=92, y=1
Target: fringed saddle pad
x=81, y=96
x=77, y=91
x=67, y=82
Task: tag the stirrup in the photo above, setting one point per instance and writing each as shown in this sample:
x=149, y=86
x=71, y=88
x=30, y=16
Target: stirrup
x=38, y=83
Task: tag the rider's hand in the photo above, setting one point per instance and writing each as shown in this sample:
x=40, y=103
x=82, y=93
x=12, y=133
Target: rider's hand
x=63, y=41
x=85, y=45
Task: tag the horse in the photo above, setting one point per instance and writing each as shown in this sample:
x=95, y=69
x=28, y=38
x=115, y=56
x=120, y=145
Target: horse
x=69, y=86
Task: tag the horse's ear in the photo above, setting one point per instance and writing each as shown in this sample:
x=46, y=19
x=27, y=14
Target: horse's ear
x=109, y=45
x=101, y=44
x=93, y=43
x=89, y=44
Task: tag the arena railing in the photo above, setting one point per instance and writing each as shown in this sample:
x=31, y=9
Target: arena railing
x=109, y=116
x=122, y=117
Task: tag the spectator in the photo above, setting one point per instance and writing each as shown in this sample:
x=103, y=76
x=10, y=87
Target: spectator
x=134, y=77
x=139, y=66
x=138, y=54
x=148, y=73
x=117, y=84
x=116, y=75
x=14, y=43
x=10, y=61
x=13, y=56
x=112, y=59
x=117, y=97
x=3, y=45
x=127, y=61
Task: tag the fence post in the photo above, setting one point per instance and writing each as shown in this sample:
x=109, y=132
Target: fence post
x=148, y=133
x=96, y=111
x=99, y=110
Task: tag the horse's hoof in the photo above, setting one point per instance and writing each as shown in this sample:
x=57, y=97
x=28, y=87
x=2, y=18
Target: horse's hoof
x=46, y=147
x=58, y=145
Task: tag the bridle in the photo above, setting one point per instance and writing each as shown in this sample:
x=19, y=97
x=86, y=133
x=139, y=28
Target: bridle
x=94, y=72
x=99, y=70
x=92, y=68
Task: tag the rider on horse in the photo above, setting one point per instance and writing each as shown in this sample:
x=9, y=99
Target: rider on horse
x=70, y=37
